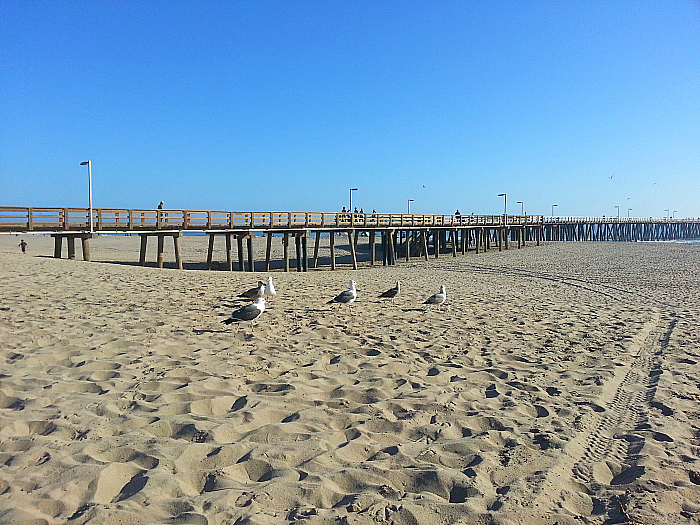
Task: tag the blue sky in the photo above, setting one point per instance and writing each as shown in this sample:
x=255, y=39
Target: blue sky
x=271, y=106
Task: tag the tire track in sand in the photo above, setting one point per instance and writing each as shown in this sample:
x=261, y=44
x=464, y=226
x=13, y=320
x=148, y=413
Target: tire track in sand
x=603, y=453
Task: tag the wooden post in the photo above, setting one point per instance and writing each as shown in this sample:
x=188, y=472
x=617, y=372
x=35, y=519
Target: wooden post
x=317, y=245
x=176, y=246
x=392, y=248
x=521, y=236
x=304, y=253
x=357, y=234
x=424, y=238
x=142, y=255
x=161, y=242
x=239, y=243
x=297, y=243
x=372, y=239
x=86, y=247
x=71, y=247
x=58, y=246
x=408, y=245
x=436, y=243
x=285, y=242
x=453, y=233
x=352, y=250
x=210, y=251
x=332, y=241
x=251, y=262
x=229, y=259
x=384, y=249
x=268, y=252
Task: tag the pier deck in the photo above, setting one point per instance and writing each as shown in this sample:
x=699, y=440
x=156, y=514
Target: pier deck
x=401, y=236
x=416, y=235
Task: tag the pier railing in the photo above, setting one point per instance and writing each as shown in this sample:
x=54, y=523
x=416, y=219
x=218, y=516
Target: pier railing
x=30, y=219
x=615, y=220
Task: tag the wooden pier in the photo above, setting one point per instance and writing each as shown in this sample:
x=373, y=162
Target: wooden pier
x=396, y=236
x=402, y=236
x=621, y=229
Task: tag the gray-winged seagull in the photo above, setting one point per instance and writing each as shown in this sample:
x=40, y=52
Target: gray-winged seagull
x=254, y=293
x=346, y=297
x=392, y=293
x=436, y=299
x=249, y=312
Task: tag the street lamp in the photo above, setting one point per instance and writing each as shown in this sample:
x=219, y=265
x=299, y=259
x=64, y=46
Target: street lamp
x=618, y=211
x=674, y=214
x=666, y=213
x=505, y=207
x=553, y=206
x=628, y=212
x=522, y=207
x=409, y=206
x=88, y=163
x=351, y=190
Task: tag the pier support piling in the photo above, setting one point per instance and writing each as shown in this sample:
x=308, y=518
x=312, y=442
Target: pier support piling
x=160, y=256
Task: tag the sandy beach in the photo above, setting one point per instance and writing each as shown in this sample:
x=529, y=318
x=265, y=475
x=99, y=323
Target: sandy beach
x=559, y=384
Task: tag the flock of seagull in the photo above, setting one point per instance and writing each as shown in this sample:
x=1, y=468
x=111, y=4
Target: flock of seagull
x=257, y=294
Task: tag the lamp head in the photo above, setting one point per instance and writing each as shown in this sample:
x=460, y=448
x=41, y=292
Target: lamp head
x=85, y=163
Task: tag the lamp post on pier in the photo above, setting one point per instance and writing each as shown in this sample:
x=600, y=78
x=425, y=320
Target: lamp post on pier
x=628, y=212
x=88, y=163
x=554, y=206
x=351, y=190
x=618, y=211
x=505, y=207
x=674, y=214
x=409, y=206
x=667, y=214
x=522, y=207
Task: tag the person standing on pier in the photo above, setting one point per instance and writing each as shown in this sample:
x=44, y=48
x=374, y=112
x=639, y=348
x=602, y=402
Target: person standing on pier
x=160, y=206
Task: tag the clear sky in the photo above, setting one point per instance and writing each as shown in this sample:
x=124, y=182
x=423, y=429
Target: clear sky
x=277, y=106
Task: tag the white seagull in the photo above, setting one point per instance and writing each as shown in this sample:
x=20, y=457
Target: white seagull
x=436, y=299
x=270, y=289
x=346, y=297
x=254, y=293
x=392, y=293
x=249, y=312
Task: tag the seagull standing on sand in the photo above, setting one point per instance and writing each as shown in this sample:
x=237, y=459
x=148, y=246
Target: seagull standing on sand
x=254, y=293
x=270, y=289
x=436, y=299
x=392, y=293
x=249, y=312
x=347, y=297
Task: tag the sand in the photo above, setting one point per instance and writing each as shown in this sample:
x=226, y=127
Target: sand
x=559, y=384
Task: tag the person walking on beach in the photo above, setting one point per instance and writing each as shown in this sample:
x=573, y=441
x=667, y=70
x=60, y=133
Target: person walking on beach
x=23, y=245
